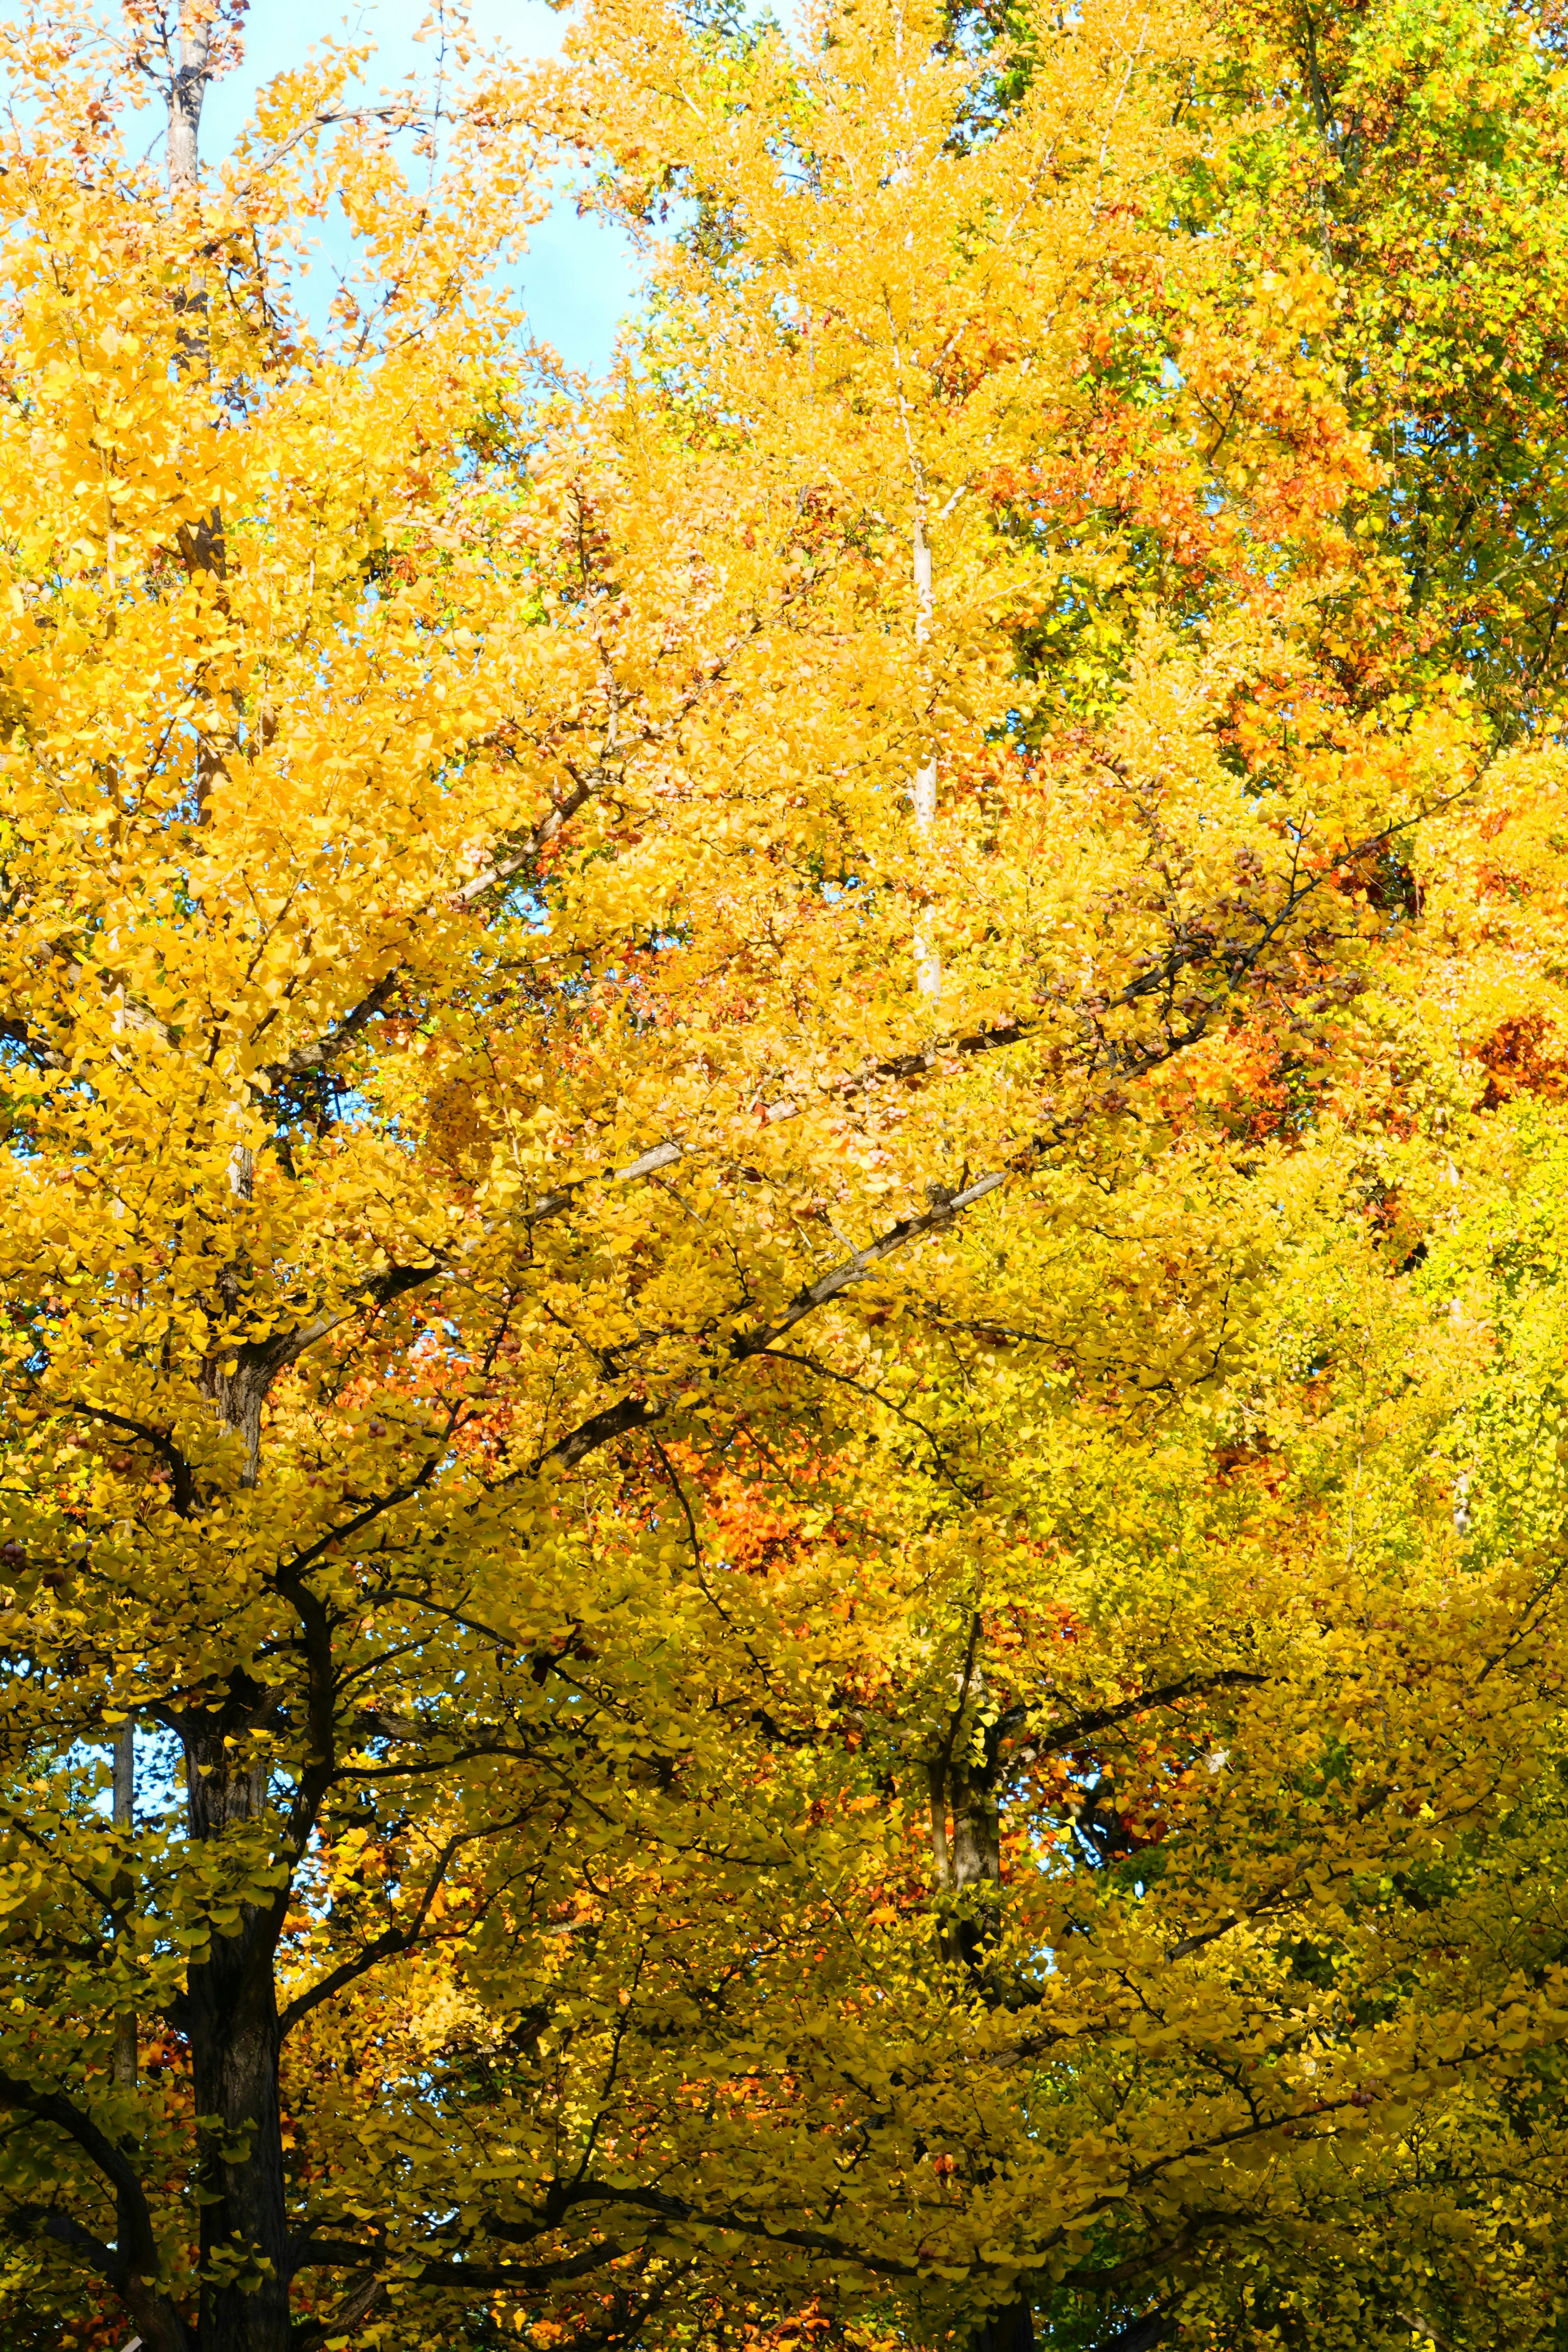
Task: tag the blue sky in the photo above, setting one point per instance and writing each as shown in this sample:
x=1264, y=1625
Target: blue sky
x=578, y=278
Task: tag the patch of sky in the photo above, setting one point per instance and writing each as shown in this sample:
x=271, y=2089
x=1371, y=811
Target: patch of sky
x=579, y=276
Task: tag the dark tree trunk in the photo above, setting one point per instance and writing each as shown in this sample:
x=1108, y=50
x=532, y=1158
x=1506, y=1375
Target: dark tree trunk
x=1011, y=2329
x=968, y=1866
x=230, y=2013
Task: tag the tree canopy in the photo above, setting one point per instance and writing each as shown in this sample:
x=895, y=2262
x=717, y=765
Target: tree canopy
x=784, y=1433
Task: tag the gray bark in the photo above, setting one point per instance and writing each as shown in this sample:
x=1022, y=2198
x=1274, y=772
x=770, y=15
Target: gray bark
x=187, y=87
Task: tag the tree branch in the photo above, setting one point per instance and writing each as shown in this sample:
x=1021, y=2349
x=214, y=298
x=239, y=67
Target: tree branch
x=1080, y=1727
x=53, y=2107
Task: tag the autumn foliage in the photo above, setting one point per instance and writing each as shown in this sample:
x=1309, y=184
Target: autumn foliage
x=783, y=1432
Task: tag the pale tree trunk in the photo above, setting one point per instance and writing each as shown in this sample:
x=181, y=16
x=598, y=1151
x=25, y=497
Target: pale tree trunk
x=969, y=1855
x=160, y=2327
x=187, y=87
x=928, y=963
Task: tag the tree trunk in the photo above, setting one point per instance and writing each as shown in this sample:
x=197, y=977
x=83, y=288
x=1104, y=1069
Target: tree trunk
x=970, y=1857
x=231, y=2015
x=230, y=2009
x=187, y=88
x=124, y=1818
x=1011, y=2329
x=927, y=962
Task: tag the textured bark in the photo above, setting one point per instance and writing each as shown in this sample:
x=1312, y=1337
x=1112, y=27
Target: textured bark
x=187, y=87
x=231, y=2017
x=968, y=1856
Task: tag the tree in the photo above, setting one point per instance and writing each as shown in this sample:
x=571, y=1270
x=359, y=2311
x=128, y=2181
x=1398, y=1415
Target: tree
x=1418, y=143
x=662, y=1329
